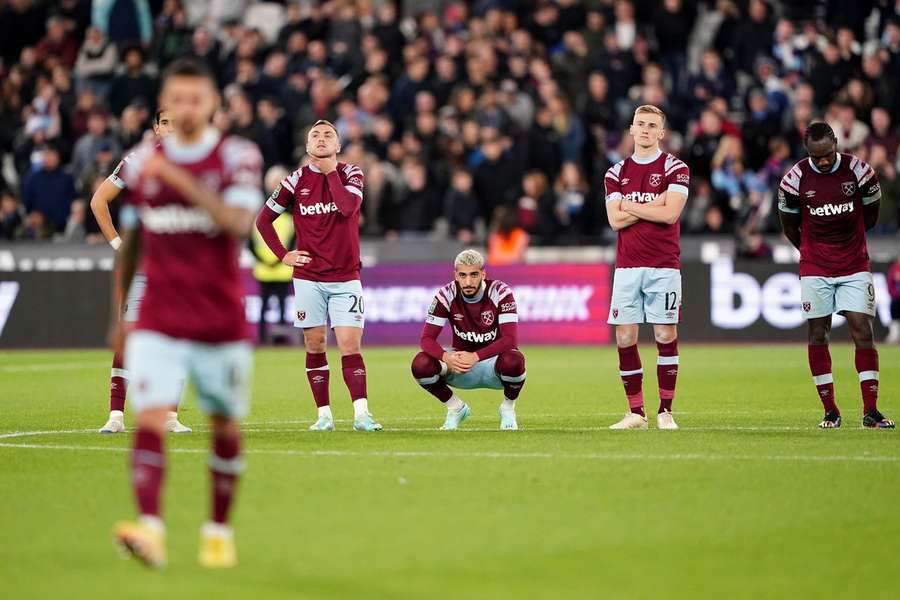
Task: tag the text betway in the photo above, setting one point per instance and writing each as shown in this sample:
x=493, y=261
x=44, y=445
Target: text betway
x=640, y=197
x=319, y=208
x=175, y=218
x=738, y=300
x=828, y=210
x=477, y=338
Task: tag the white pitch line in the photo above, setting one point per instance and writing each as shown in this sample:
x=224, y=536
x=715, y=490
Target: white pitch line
x=52, y=367
x=598, y=456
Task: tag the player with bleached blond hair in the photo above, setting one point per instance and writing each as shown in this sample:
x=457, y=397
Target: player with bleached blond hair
x=645, y=195
x=482, y=314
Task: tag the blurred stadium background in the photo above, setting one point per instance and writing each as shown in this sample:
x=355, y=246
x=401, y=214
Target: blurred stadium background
x=486, y=123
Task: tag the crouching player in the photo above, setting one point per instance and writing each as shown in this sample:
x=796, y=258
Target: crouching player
x=482, y=313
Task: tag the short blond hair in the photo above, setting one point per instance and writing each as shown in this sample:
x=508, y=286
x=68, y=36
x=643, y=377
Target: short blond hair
x=470, y=258
x=653, y=110
x=322, y=122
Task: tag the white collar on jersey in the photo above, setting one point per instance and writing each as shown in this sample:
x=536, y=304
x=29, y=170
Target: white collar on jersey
x=477, y=297
x=190, y=153
x=837, y=164
x=646, y=161
x=313, y=168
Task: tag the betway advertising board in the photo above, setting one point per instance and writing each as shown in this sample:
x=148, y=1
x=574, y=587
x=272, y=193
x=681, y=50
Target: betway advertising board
x=723, y=301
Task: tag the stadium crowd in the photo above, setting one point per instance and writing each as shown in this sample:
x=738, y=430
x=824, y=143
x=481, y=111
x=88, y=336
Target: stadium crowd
x=470, y=119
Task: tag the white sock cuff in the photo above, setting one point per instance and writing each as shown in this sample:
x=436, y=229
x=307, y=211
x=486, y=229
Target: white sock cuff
x=823, y=379
x=866, y=375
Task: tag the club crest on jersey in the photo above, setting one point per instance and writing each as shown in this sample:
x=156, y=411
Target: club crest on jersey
x=301, y=315
x=487, y=317
x=807, y=306
x=655, y=179
x=848, y=187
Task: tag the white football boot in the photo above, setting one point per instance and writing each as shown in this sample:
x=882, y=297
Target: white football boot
x=116, y=422
x=631, y=421
x=664, y=420
x=174, y=426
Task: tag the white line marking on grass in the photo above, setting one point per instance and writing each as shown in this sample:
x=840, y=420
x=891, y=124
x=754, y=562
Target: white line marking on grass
x=52, y=367
x=600, y=456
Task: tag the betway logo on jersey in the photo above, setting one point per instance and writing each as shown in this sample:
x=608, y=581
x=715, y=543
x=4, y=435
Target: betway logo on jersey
x=828, y=210
x=175, y=218
x=477, y=338
x=319, y=208
x=639, y=197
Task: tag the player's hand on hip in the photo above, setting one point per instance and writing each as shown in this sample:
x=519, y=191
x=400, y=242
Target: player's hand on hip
x=326, y=165
x=296, y=258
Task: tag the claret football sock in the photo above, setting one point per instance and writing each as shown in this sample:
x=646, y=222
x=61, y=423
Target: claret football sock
x=318, y=375
x=667, y=373
x=148, y=466
x=632, y=377
x=820, y=367
x=867, y=367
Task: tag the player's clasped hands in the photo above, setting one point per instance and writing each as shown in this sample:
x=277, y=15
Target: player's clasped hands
x=460, y=362
x=296, y=258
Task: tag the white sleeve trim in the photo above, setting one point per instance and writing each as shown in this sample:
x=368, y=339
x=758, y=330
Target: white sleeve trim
x=117, y=181
x=275, y=207
x=677, y=188
x=433, y=320
x=613, y=197
x=244, y=196
x=874, y=198
x=354, y=190
x=508, y=318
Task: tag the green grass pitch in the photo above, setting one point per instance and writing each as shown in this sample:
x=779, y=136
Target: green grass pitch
x=748, y=500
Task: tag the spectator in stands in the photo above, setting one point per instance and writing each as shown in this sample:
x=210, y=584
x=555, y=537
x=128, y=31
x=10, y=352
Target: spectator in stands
x=461, y=208
x=35, y=228
x=419, y=203
x=75, y=230
x=96, y=63
x=890, y=189
x=507, y=241
x=98, y=135
x=49, y=190
x=134, y=83
x=124, y=22
x=58, y=43
x=893, y=282
x=850, y=131
x=11, y=215
x=882, y=133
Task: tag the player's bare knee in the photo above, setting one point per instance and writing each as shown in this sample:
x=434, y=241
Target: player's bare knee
x=665, y=334
x=626, y=336
x=424, y=366
x=862, y=334
x=314, y=340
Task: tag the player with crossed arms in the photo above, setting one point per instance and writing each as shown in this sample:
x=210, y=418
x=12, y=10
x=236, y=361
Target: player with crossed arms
x=645, y=195
x=108, y=191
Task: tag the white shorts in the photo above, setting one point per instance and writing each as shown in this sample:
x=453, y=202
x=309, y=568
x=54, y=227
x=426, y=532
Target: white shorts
x=158, y=365
x=823, y=296
x=645, y=295
x=133, y=299
x=317, y=302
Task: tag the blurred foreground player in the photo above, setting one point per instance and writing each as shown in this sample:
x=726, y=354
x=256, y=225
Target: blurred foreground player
x=108, y=191
x=826, y=203
x=196, y=196
x=645, y=195
x=324, y=198
x=482, y=315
